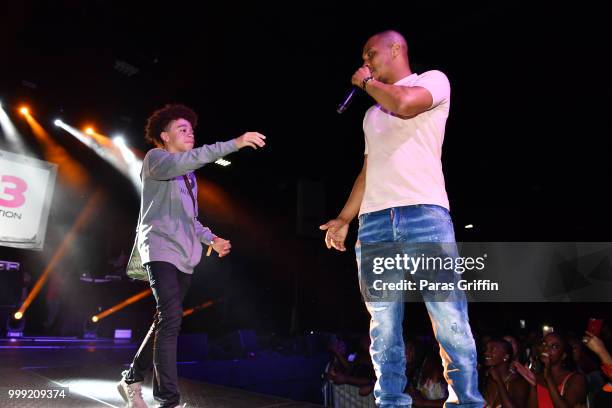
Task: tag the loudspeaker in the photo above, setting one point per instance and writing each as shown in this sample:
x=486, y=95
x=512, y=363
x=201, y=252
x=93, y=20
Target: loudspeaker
x=192, y=347
x=5, y=312
x=236, y=344
x=245, y=340
x=11, y=282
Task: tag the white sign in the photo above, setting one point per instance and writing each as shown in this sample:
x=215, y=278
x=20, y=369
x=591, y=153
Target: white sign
x=26, y=188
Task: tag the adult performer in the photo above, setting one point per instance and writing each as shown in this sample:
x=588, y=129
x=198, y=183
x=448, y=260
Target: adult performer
x=400, y=196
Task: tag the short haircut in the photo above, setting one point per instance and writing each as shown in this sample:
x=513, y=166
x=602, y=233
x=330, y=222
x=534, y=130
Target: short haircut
x=391, y=37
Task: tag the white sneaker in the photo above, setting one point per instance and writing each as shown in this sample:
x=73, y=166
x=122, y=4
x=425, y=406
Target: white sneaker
x=131, y=394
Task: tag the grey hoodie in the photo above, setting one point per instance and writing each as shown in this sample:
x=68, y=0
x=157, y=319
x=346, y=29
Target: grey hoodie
x=167, y=226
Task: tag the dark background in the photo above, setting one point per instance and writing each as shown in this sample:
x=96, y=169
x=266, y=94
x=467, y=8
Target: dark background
x=526, y=156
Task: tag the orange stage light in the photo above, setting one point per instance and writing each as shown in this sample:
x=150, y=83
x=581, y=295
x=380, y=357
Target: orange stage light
x=69, y=169
x=121, y=305
x=200, y=307
x=59, y=253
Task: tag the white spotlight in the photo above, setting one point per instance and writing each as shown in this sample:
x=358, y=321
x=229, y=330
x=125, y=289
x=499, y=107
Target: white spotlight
x=58, y=122
x=223, y=162
x=119, y=141
x=469, y=226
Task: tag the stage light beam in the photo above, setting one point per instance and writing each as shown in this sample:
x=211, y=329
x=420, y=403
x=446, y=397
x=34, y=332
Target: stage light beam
x=11, y=134
x=121, y=305
x=116, y=154
x=70, y=169
x=81, y=220
x=204, y=305
x=119, y=141
x=223, y=162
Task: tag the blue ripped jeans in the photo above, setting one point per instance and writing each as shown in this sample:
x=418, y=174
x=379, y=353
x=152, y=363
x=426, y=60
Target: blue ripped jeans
x=414, y=224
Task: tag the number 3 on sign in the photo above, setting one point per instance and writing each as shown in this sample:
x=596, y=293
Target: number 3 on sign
x=13, y=187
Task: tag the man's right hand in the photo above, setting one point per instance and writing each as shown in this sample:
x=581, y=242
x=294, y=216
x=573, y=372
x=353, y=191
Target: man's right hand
x=336, y=233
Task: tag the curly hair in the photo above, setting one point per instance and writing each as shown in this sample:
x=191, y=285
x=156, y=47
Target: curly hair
x=160, y=119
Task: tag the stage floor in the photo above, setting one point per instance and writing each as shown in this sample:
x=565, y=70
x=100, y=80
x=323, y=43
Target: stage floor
x=90, y=370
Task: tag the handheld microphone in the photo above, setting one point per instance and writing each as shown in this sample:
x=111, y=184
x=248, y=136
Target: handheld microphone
x=347, y=99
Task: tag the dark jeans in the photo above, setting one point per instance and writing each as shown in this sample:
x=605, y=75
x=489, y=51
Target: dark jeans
x=158, y=349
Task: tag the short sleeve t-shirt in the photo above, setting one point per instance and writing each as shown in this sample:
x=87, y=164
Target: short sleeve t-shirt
x=404, y=155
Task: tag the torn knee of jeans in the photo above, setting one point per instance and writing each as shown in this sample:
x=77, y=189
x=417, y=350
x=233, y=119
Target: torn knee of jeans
x=461, y=330
x=376, y=309
x=456, y=333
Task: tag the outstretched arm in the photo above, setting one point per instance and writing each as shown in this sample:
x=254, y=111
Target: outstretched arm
x=161, y=165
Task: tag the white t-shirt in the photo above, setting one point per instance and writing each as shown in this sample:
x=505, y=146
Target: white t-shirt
x=404, y=155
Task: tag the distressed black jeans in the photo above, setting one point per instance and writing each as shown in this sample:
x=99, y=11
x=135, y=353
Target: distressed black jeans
x=158, y=349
